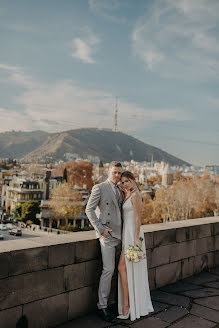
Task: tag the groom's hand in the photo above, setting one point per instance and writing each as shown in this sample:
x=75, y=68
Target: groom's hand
x=105, y=233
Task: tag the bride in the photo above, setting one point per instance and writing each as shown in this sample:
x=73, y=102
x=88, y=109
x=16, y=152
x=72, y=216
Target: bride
x=133, y=290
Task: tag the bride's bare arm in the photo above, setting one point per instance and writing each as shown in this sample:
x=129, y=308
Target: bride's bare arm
x=136, y=202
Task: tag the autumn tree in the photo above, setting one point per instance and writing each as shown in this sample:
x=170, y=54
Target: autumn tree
x=188, y=198
x=153, y=180
x=177, y=176
x=66, y=202
x=78, y=173
x=146, y=209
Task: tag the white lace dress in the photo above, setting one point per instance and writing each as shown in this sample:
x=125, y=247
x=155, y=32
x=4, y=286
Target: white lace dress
x=137, y=273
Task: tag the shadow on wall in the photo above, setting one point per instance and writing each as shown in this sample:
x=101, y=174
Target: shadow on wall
x=22, y=322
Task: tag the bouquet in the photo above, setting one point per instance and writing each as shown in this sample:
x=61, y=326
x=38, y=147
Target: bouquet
x=134, y=254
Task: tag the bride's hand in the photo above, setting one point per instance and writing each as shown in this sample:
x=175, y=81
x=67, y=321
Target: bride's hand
x=138, y=243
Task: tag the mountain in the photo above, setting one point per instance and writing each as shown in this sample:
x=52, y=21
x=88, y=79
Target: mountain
x=104, y=143
x=17, y=144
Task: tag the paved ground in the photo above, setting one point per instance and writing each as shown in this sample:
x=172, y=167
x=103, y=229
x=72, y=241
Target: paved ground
x=190, y=303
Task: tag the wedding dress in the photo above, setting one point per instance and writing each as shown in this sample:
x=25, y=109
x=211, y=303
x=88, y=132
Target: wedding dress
x=137, y=273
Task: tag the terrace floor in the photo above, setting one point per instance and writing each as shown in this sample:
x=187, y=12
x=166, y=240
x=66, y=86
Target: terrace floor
x=189, y=303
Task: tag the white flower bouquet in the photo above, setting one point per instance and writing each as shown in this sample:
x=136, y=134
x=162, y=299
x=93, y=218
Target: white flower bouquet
x=134, y=254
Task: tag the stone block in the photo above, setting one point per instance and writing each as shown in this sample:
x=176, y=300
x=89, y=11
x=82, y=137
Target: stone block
x=164, y=237
x=9, y=317
x=216, y=228
x=74, y=276
x=172, y=314
x=188, y=267
x=216, y=258
x=201, y=292
x=87, y=250
x=82, y=301
x=151, y=278
x=149, y=239
x=205, y=313
x=186, y=233
x=160, y=255
x=215, y=270
x=204, y=245
x=168, y=274
x=149, y=257
x=28, y=260
x=149, y=322
x=212, y=284
x=191, y=321
x=183, y=250
x=158, y=307
x=203, y=262
x=204, y=230
x=48, y=312
x=91, y=320
x=4, y=267
x=216, y=243
x=209, y=302
x=202, y=278
x=93, y=270
x=171, y=299
x=62, y=254
x=30, y=287
x=179, y=286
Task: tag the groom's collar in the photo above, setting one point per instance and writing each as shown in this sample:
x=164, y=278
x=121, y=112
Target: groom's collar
x=111, y=183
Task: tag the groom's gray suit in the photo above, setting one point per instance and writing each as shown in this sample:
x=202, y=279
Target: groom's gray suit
x=104, y=211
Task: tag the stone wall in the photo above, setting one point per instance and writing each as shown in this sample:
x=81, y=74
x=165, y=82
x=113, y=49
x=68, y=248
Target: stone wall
x=53, y=279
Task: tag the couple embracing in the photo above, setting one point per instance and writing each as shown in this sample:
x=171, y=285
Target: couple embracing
x=114, y=212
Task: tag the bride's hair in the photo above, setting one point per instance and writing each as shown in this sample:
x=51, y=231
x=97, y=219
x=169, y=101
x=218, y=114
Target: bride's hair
x=129, y=175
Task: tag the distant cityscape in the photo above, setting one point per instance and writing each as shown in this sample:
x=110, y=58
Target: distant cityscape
x=21, y=183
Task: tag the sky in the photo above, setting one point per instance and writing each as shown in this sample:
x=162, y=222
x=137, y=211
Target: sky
x=64, y=63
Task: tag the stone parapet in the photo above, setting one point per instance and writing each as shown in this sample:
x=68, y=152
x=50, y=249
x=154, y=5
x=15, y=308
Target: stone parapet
x=53, y=279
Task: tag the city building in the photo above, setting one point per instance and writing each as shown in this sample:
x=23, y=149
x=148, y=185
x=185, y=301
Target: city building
x=167, y=176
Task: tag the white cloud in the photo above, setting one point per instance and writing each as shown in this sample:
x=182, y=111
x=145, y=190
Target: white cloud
x=85, y=47
x=9, y=68
x=15, y=120
x=17, y=75
x=65, y=105
x=179, y=38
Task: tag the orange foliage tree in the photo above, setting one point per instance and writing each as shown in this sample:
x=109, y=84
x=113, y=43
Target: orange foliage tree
x=78, y=173
x=185, y=199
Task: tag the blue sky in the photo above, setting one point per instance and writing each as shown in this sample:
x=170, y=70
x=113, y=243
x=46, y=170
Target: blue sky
x=62, y=64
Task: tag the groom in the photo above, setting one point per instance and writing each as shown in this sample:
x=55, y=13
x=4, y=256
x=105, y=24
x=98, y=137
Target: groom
x=104, y=212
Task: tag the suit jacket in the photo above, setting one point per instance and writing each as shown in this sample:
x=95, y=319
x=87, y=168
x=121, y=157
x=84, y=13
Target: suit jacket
x=104, y=211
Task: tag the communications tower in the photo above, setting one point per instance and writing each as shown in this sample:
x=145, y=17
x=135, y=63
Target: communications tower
x=115, y=123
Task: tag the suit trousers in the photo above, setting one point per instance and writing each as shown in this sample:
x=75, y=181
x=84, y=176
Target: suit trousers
x=108, y=246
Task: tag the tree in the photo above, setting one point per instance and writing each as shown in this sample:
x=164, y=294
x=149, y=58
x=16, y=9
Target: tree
x=146, y=209
x=29, y=210
x=188, y=198
x=17, y=212
x=65, y=201
x=65, y=176
x=78, y=173
x=153, y=180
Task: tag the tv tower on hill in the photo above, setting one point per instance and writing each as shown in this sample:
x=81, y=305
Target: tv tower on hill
x=115, y=122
